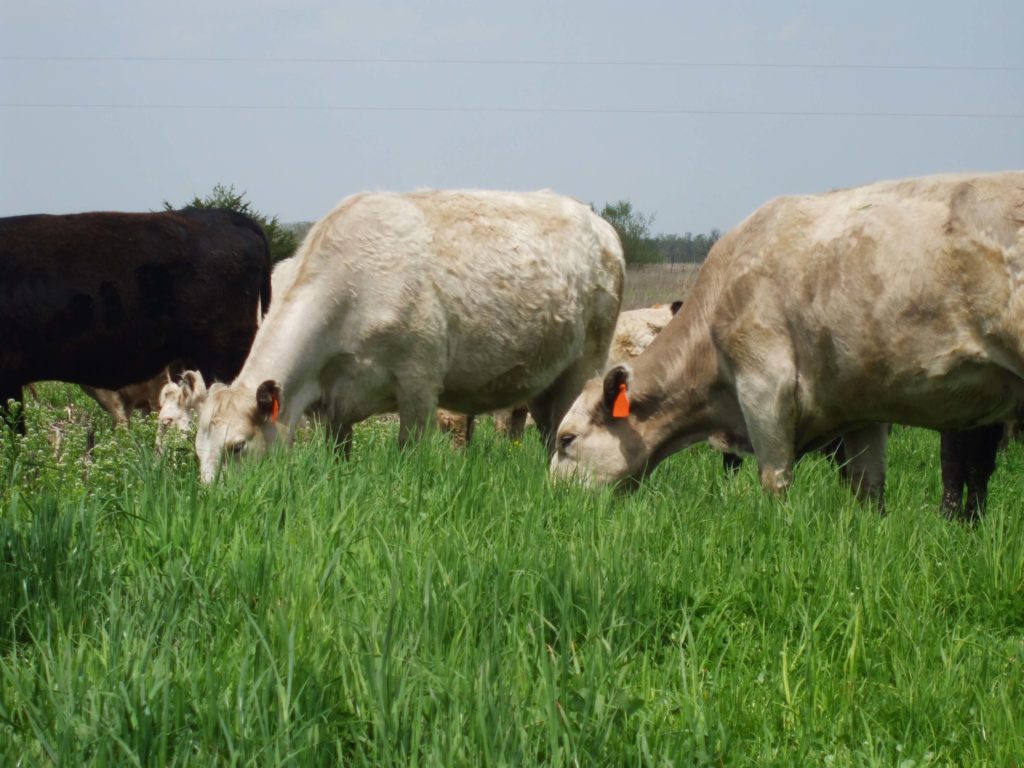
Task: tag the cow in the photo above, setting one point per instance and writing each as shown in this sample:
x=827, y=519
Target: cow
x=824, y=316
x=473, y=300
x=635, y=329
x=179, y=402
x=121, y=403
x=109, y=299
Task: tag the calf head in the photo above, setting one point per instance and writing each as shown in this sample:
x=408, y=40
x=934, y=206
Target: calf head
x=179, y=400
x=236, y=421
x=598, y=441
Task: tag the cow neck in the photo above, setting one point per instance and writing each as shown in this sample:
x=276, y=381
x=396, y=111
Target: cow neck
x=287, y=349
x=679, y=376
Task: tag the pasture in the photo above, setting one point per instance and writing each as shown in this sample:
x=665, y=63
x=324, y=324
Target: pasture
x=455, y=608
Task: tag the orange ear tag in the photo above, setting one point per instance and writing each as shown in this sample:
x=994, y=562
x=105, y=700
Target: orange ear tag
x=275, y=408
x=620, y=408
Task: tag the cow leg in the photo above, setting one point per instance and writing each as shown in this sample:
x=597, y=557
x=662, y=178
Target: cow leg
x=516, y=425
x=731, y=462
x=768, y=405
x=835, y=452
x=512, y=422
x=968, y=459
x=416, y=413
x=110, y=401
x=865, y=462
x=459, y=426
x=953, y=457
x=340, y=436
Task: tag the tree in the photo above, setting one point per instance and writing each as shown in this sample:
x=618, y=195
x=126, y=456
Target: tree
x=634, y=230
x=283, y=241
x=687, y=248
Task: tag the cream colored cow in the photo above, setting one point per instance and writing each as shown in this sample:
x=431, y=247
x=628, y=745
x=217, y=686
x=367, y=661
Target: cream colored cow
x=827, y=315
x=636, y=328
x=179, y=402
x=469, y=299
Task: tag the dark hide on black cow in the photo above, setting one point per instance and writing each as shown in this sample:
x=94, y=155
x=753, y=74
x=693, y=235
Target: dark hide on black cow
x=109, y=299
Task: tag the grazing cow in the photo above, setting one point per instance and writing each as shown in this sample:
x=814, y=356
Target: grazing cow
x=179, y=401
x=120, y=403
x=825, y=316
x=474, y=300
x=109, y=299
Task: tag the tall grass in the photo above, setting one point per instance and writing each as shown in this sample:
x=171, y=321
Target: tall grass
x=657, y=284
x=436, y=607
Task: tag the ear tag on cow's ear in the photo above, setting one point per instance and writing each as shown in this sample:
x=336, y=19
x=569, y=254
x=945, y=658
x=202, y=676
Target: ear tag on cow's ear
x=620, y=408
x=275, y=408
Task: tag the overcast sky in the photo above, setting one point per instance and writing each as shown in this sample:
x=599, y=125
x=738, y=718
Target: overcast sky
x=697, y=112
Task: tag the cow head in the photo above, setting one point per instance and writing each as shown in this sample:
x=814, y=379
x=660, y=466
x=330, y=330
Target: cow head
x=177, y=402
x=598, y=441
x=236, y=421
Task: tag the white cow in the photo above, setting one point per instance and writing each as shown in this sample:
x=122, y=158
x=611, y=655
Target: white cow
x=636, y=328
x=475, y=300
x=823, y=316
x=179, y=401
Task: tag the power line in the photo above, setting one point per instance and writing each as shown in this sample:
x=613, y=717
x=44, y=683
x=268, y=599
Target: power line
x=520, y=62
x=519, y=110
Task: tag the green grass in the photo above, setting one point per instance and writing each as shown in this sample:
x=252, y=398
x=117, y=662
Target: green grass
x=445, y=608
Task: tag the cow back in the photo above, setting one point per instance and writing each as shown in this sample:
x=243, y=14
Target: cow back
x=108, y=299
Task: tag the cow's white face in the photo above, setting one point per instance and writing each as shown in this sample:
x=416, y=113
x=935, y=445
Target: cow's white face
x=173, y=411
x=235, y=422
x=592, y=445
x=178, y=403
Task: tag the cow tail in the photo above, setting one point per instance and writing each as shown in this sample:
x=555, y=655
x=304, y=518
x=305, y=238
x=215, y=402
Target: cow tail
x=265, y=293
x=268, y=268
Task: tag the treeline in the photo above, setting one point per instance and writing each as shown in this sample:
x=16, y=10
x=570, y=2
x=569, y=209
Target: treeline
x=684, y=249
x=640, y=247
x=634, y=228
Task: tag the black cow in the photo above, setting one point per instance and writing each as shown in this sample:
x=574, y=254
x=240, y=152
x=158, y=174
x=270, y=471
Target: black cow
x=109, y=299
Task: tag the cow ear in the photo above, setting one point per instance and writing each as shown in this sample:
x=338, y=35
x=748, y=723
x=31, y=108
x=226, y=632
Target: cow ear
x=616, y=392
x=193, y=384
x=676, y=305
x=268, y=400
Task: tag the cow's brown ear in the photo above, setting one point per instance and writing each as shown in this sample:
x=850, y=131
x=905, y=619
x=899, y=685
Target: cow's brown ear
x=676, y=305
x=268, y=400
x=616, y=391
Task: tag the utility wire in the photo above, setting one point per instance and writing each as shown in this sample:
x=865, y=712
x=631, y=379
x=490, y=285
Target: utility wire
x=519, y=62
x=518, y=110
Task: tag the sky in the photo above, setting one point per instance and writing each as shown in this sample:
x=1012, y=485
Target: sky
x=696, y=112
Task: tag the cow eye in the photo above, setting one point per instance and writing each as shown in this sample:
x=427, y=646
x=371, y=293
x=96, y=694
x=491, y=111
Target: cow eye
x=237, y=447
x=564, y=442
